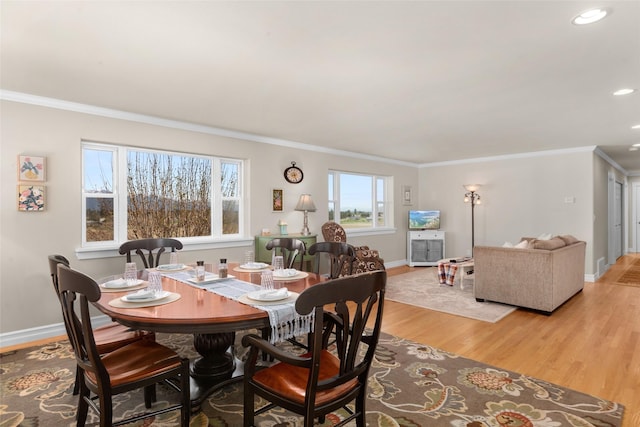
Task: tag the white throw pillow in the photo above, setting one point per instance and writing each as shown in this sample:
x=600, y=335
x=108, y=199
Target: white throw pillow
x=507, y=245
x=522, y=245
x=544, y=236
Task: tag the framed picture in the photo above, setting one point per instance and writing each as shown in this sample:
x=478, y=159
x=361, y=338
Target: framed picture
x=277, y=201
x=31, y=168
x=31, y=198
x=407, y=195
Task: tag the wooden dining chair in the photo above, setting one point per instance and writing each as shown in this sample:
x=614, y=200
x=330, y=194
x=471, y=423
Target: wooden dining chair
x=108, y=337
x=149, y=250
x=322, y=380
x=339, y=255
x=140, y=364
x=290, y=249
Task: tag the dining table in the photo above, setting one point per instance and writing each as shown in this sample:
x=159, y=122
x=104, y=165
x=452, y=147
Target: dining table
x=212, y=319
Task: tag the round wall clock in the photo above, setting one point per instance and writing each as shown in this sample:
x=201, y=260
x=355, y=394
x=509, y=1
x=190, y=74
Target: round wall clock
x=293, y=174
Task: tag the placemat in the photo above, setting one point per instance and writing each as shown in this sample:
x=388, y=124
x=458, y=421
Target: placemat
x=300, y=275
x=118, y=303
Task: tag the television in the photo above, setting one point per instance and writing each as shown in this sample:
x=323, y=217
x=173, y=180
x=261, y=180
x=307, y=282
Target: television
x=424, y=220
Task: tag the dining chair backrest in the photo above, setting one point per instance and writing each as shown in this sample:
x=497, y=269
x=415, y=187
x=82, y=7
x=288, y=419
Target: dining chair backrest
x=54, y=260
x=149, y=250
x=339, y=255
x=290, y=249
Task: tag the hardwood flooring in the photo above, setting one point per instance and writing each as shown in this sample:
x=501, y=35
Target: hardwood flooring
x=590, y=344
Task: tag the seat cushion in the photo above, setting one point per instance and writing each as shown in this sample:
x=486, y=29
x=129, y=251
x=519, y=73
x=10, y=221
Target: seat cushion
x=136, y=361
x=291, y=381
x=114, y=336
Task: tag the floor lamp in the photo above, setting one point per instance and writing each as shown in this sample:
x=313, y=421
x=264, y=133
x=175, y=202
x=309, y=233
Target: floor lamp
x=471, y=196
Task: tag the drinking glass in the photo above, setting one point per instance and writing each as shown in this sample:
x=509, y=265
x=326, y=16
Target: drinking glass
x=155, y=281
x=130, y=273
x=266, y=279
x=173, y=258
x=249, y=257
x=278, y=264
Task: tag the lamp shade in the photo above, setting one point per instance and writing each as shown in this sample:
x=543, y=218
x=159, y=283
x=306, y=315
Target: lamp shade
x=305, y=203
x=472, y=187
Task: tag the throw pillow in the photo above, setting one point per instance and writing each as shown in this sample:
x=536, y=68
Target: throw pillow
x=524, y=244
x=568, y=239
x=549, y=244
x=544, y=236
x=507, y=245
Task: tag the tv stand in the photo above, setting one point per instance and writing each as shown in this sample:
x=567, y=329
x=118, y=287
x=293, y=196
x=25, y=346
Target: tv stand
x=425, y=247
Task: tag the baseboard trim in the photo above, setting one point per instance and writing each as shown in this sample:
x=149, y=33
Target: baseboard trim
x=22, y=336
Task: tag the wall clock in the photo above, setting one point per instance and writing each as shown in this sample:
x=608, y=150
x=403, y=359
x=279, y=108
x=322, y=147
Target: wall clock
x=293, y=174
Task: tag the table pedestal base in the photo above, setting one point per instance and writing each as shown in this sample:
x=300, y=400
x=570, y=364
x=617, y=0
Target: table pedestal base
x=216, y=368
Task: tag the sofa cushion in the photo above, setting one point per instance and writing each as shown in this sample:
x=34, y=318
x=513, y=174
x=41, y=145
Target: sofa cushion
x=568, y=239
x=551, y=244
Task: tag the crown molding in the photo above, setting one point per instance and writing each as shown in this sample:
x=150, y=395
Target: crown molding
x=59, y=104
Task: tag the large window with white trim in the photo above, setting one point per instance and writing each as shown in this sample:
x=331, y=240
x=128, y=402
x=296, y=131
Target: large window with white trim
x=360, y=200
x=134, y=193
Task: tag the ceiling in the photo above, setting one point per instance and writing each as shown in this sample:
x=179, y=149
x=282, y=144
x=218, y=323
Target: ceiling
x=418, y=82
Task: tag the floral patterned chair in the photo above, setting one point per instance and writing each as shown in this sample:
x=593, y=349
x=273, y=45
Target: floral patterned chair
x=366, y=259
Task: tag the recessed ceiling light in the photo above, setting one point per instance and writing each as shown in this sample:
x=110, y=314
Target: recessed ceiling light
x=590, y=16
x=635, y=127
x=625, y=91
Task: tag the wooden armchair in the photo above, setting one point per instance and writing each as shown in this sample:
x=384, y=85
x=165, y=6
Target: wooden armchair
x=365, y=259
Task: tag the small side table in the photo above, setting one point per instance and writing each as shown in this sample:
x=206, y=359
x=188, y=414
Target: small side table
x=463, y=268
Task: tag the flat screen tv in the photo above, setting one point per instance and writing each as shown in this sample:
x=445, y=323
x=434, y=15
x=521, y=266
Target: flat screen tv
x=424, y=220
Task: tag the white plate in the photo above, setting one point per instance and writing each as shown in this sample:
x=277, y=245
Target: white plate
x=156, y=297
x=254, y=266
x=120, y=284
x=287, y=272
x=171, y=267
x=268, y=295
x=209, y=278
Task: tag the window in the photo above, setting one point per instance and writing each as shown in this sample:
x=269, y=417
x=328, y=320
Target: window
x=132, y=193
x=359, y=201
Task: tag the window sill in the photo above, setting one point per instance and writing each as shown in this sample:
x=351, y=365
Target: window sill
x=110, y=252
x=357, y=232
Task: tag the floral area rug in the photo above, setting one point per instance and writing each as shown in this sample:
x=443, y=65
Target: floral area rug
x=423, y=289
x=410, y=385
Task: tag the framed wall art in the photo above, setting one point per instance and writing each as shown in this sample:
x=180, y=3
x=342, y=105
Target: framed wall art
x=277, y=201
x=31, y=198
x=31, y=168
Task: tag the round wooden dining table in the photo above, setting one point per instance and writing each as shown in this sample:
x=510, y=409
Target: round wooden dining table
x=212, y=319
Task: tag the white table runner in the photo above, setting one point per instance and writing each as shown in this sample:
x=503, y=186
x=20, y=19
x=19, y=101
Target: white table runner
x=285, y=322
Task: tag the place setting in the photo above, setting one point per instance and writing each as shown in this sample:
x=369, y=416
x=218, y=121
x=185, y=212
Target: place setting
x=250, y=265
x=270, y=293
x=151, y=295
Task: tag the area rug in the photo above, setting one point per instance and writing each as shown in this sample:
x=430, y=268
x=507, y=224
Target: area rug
x=410, y=385
x=422, y=289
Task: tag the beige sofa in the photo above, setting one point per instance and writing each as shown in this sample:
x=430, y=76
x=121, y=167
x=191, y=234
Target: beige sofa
x=541, y=277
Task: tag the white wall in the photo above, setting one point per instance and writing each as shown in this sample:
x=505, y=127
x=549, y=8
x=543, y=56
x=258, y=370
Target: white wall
x=26, y=239
x=521, y=196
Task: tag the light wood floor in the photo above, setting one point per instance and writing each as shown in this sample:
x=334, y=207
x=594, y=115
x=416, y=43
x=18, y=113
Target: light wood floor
x=590, y=344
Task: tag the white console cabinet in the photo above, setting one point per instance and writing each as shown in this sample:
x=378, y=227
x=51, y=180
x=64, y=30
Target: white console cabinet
x=425, y=247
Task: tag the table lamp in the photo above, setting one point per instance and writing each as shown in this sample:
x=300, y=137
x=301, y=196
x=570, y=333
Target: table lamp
x=306, y=205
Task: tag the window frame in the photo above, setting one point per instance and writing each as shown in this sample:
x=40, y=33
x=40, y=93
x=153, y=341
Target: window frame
x=334, y=178
x=89, y=250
